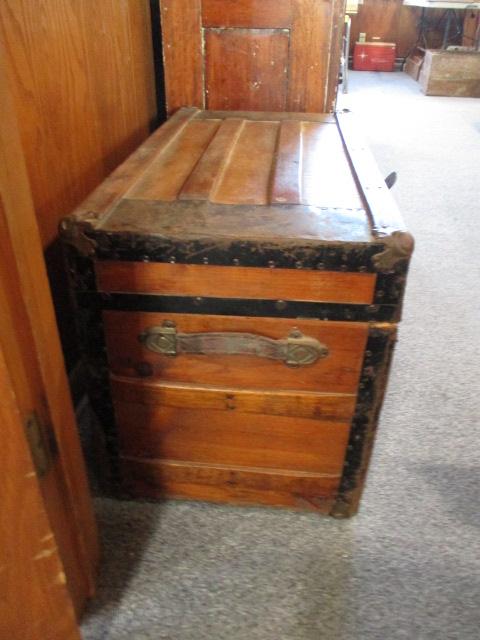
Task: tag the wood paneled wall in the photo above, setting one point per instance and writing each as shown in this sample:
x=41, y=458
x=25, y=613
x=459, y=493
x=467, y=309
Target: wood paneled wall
x=83, y=84
x=391, y=21
x=84, y=93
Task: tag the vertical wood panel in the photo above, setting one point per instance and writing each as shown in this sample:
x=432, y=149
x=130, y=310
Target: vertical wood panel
x=84, y=93
x=182, y=53
x=309, y=55
x=34, y=602
x=246, y=69
x=29, y=339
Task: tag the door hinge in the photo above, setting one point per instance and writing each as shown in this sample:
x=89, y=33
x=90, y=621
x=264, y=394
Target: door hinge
x=42, y=443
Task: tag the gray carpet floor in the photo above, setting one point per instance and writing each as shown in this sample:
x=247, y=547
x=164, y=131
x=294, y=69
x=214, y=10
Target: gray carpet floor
x=408, y=566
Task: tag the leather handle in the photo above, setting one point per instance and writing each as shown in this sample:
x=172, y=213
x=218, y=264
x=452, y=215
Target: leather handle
x=296, y=350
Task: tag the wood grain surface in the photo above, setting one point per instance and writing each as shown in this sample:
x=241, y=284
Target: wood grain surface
x=254, y=14
x=256, y=54
x=34, y=600
x=235, y=282
x=251, y=162
x=167, y=174
x=246, y=69
x=246, y=178
x=337, y=373
x=334, y=407
x=84, y=93
x=219, y=483
x=310, y=42
x=31, y=347
x=182, y=53
x=233, y=438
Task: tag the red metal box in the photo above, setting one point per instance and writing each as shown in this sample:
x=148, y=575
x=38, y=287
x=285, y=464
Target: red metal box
x=374, y=56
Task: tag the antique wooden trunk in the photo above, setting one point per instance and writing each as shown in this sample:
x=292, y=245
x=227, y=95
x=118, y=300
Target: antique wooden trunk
x=239, y=282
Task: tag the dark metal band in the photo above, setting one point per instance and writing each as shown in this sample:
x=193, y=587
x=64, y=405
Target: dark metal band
x=375, y=368
x=237, y=307
x=129, y=247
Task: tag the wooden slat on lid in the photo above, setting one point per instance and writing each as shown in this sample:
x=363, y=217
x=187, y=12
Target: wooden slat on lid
x=167, y=174
x=327, y=177
x=286, y=185
x=210, y=169
x=246, y=179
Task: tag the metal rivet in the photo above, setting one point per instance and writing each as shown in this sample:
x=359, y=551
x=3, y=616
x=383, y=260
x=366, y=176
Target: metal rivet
x=236, y=262
x=271, y=264
x=362, y=269
x=343, y=267
x=368, y=354
x=145, y=259
x=280, y=305
x=205, y=261
x=298, y=265
x=320, y=266
x=198, y=301
x=172, y=260
x=372, y=308
x=144, y=369
x=380, y=294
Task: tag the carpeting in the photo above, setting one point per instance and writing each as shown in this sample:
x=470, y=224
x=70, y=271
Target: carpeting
x=408, y=566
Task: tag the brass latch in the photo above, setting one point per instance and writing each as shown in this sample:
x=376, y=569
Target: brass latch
x=42, y=447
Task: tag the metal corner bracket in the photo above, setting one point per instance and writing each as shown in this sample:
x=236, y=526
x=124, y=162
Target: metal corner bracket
x=399, y=247
x=73, y=233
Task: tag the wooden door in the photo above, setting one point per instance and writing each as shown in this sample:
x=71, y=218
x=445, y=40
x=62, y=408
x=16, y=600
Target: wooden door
x=35, y=380
x=34, y=599
x=259, y=55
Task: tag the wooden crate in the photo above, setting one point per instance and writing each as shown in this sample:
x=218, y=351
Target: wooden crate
x=451, y=73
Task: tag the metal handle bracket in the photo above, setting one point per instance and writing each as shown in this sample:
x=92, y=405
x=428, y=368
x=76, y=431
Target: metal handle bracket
x=296, y=350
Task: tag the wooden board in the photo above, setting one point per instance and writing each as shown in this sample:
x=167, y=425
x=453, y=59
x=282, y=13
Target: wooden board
x=182, y=53
x=235, y=282
x=31, y=348
x=334, y=407
x=34, y=599
x=217, y=483
x=253, y=14
x=337, y=373
x=311, y=41
x=252, y=54
x=246, y=69
x=231, y=438
x=248, y=162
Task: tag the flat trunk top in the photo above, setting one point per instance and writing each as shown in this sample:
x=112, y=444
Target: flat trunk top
x=243, y=176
